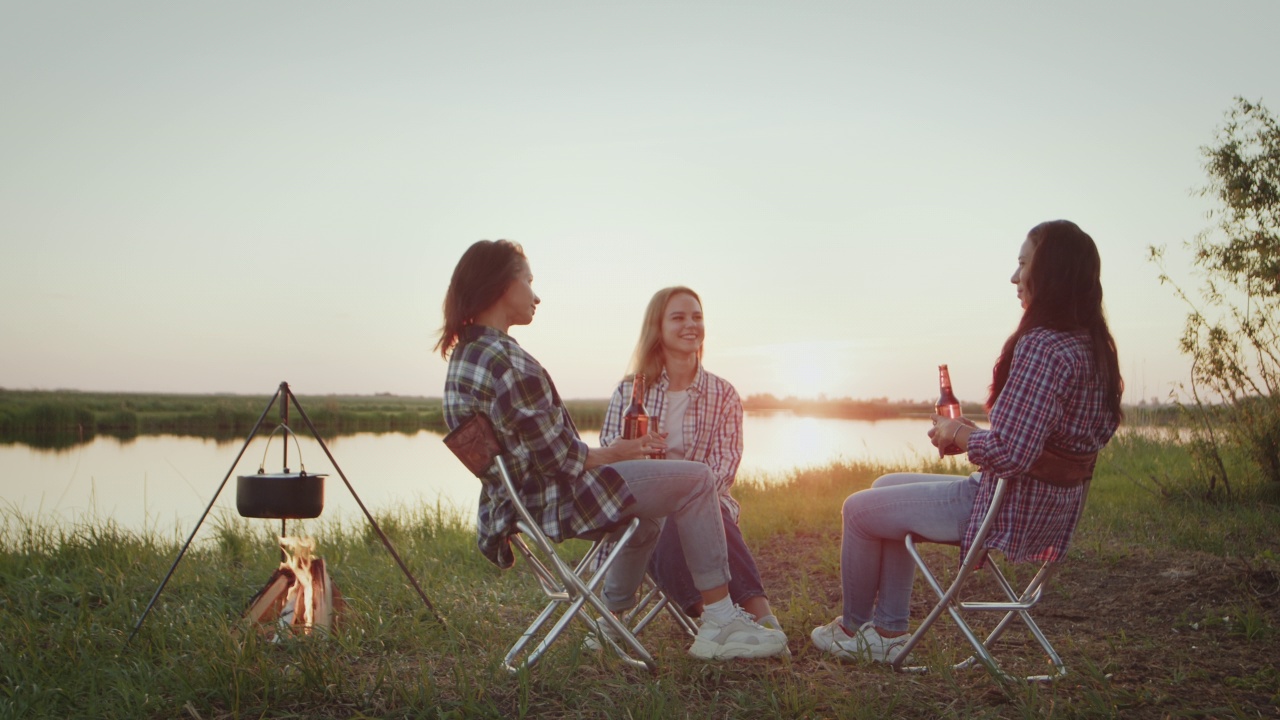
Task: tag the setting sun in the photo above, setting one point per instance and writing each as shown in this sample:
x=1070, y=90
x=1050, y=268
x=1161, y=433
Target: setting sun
x=810, y=369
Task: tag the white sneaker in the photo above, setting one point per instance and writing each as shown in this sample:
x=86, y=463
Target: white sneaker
x=770, y=622
x=866, y=644
x=740, y=637
x=592, y=641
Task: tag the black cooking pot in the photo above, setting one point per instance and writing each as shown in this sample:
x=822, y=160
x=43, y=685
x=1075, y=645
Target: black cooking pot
x=286, y=496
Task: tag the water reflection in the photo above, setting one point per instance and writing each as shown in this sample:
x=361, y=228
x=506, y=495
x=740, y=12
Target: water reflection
x=777, y=442
x=162, y=484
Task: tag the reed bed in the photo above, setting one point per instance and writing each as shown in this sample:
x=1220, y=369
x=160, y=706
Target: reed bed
x=70, y=595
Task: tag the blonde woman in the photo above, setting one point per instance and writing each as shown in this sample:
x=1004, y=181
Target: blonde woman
x=699, y=415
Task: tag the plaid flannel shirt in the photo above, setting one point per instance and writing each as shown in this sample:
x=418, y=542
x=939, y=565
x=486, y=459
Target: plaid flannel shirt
x=712, y=425
x=1053, y=397
x=490, y=373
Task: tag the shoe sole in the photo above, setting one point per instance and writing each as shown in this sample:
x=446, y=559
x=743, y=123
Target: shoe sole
x=860, y=657
x=729, y=651
x=863, y=655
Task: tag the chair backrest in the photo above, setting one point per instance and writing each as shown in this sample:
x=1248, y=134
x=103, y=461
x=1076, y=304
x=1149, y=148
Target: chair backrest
x=476, y=444
x=988, y=520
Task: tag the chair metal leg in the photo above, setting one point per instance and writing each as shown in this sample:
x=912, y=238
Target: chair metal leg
x=570, y=591
x=569, y=595
x=652, y=600
x=651, y=604
x=1017, y=606
x=946, y=600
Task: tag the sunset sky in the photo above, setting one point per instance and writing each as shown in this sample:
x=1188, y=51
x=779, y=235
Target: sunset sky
x=215, y=197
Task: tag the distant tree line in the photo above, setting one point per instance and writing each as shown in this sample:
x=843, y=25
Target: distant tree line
x=848, y=408
x=63, y=418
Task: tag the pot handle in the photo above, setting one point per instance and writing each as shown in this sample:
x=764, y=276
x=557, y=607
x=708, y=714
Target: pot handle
x=302, y=467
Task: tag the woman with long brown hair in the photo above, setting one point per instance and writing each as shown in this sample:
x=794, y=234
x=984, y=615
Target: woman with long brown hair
x=574, y=489
x=1054, y=403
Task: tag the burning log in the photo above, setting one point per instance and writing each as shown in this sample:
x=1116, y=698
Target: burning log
x=300, y=596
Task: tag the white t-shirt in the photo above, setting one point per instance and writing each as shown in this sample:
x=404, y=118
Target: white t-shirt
x=677, y=406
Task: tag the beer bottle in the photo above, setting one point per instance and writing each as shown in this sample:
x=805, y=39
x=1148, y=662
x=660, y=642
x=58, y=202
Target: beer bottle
x=948, y=406
x=635, y=421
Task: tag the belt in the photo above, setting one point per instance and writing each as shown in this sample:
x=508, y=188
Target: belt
x=1063, y=468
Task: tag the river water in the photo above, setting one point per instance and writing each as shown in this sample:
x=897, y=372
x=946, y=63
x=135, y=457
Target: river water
x=162, y=484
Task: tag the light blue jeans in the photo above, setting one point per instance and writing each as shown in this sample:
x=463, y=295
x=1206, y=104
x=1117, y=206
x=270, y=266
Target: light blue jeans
x=686, y=493
x=876, y=571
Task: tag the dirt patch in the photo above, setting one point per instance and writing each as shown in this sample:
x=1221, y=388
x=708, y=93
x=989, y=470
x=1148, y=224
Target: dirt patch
x=1158, y=634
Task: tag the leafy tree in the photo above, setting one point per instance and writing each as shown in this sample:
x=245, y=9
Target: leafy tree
x=1231, y=333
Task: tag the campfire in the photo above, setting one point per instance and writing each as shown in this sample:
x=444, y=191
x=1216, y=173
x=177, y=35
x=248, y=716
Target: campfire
x=300, y=597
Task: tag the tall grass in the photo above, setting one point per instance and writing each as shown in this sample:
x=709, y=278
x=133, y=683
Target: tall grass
x=70, y=594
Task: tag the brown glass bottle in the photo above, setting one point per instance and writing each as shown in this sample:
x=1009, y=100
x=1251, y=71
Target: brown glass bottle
x=635, y=420
x=948, y=406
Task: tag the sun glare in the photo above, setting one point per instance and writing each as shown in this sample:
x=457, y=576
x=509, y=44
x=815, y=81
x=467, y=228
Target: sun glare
x=813, y=370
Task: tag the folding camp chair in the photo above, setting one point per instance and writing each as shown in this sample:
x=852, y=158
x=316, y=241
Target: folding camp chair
x=1015, y=605
x=569, y=591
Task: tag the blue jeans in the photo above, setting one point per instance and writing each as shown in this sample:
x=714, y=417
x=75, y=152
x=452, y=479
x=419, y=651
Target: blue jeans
x=876, y=571
x=684, y=493
x=671, y=572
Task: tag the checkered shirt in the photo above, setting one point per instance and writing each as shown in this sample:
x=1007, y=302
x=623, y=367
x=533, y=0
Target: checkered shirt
x=490, y=373
x=712, y=425
x=1054, y=398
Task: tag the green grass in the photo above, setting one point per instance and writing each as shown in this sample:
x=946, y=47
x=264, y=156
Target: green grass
x=69, y=596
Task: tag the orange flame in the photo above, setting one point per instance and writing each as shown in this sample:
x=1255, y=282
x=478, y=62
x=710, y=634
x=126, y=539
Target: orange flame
x=300, y=602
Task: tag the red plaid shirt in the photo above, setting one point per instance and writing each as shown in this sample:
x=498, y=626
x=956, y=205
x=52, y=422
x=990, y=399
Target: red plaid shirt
x=712, y=425
x=490, y=373
x=1053, y=397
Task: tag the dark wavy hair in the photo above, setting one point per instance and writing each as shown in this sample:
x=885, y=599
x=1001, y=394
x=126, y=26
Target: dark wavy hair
x=1065, y=284
x=482, y=275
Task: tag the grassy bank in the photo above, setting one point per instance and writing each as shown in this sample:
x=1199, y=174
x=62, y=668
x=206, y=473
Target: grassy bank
x=1167, y=609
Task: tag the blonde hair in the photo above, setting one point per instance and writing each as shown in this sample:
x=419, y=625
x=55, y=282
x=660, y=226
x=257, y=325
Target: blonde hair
x=648, y=357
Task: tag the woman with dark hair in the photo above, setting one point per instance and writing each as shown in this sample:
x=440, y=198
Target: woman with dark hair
x=1054, y=403
x=699, y=415
x=571, y=488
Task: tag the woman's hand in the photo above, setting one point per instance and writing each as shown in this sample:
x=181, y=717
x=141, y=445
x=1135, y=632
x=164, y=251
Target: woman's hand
x=951, y=431
x=655, y=443
x=640, y=448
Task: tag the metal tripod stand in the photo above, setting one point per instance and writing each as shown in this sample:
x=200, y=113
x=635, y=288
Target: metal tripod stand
x=286, y=396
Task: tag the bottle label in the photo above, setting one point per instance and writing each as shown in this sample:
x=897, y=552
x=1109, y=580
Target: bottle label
x=634, y=427
x=950, y=410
